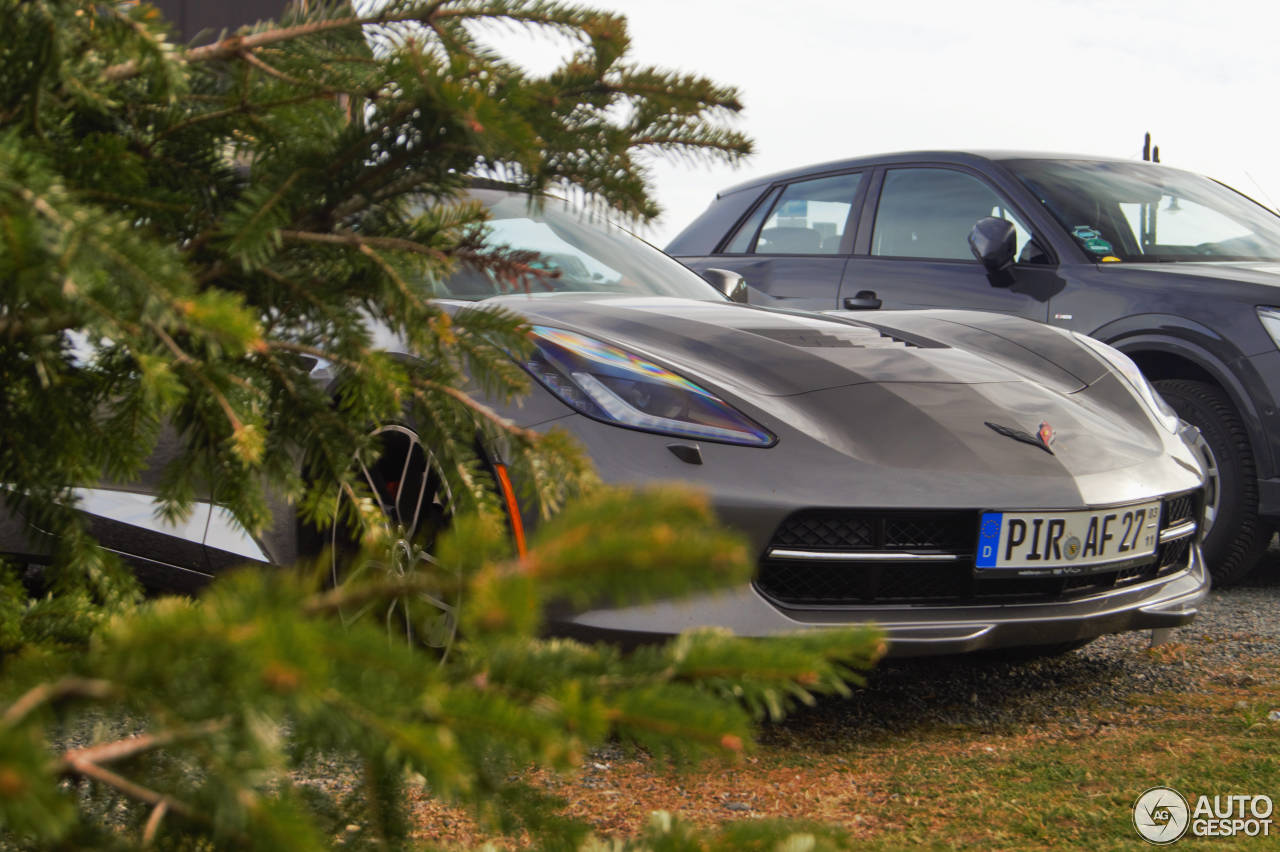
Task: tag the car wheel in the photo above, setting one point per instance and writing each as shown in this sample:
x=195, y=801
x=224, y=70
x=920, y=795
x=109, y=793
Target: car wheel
x=415, y=503
x=1233, y=537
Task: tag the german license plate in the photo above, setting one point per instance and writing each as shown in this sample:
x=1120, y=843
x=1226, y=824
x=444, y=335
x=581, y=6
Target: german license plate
x=1068, y=541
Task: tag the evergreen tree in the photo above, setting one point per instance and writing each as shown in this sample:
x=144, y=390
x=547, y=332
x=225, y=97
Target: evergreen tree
x=182, y=232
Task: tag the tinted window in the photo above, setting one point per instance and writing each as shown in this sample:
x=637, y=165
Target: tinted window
x=1139, y=211
x=809, y=217
x=928, y=213
x=741, y=241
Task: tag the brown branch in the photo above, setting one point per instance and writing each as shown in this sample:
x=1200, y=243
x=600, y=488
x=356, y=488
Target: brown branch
x=334, y=599
x=303, y=349
x=472, y=404
x=246, y=108
x=618, y=718
x=153, y=823
x=271, y=71
x=136, y=791
x=357, y=241
x=229, y=48
x=187, y=361
x=262, y=65
x=391, y=273
x=480, y=408
x=130, y=746
x=67, y=687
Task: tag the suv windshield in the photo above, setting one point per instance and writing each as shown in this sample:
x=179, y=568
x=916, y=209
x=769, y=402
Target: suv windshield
x=1140, y=212
x=581, y=255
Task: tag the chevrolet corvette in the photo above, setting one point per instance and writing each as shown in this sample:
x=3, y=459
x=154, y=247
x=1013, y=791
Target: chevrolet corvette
x=967, y=481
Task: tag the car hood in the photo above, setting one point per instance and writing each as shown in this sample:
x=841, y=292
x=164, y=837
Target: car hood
x=935, y=392
x=779, y=353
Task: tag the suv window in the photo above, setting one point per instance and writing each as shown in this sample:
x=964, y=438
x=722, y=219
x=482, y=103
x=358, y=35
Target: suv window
x=1157, y=227
x=809, y=217
x=928, y=213
x=741, y=241
x=1145, y=212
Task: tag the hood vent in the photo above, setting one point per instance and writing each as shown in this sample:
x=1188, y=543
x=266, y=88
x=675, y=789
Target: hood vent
x=851, y=337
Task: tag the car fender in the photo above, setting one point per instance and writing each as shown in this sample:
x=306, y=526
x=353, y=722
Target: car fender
x=1201, y=346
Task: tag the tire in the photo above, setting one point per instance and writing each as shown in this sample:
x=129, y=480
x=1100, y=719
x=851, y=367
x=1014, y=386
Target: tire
x=416, y=508
x=1234, y=538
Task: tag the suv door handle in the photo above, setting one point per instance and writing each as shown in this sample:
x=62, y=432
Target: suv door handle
x=864, y=300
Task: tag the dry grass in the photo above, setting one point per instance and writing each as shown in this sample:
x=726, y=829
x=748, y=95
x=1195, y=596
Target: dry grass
x=1054, y=766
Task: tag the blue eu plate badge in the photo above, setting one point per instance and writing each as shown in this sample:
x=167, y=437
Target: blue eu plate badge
x=989, y=539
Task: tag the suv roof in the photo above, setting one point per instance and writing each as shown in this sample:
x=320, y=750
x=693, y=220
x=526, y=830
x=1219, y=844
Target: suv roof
x=974, y=156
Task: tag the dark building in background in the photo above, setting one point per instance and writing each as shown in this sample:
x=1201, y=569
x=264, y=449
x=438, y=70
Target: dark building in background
x=207, y=20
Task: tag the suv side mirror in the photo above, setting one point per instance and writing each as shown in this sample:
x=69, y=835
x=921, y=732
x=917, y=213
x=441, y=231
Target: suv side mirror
x=993, y=242
x=728, y=282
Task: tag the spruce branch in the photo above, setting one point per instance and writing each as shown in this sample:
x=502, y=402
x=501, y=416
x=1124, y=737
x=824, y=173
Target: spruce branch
x=59, y=690
x=336, y=599
x=248, y=110
x=135, y=745
x=133, y=790
x=256, y=61
x=358, y=241
x=214, y=218
x=507, y=426
x=152, y=827
x=13, y=327
x=234, y=46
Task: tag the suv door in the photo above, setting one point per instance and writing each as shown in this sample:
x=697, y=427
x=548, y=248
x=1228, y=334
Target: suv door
x=913, y=247
x=792, y=247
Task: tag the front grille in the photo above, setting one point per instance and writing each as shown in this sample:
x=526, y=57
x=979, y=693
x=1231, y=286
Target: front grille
x=827, y=529
x=1176, y=510
x=850, y=582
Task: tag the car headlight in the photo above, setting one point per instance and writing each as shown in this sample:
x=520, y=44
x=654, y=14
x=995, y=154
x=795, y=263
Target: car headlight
x=1271, y=322
x=1166, y=416
x=612, y=385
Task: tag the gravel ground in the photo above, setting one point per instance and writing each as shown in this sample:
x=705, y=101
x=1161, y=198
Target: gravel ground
x=803, y=769
x=991, y=694
x=985, y=695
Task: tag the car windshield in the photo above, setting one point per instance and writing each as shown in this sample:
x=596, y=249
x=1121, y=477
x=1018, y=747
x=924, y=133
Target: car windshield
x=580, y=255
x=1149, y=213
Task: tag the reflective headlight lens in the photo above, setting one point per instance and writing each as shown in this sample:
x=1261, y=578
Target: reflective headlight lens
x=610, y=384
x=1123, y=364
x=1271, y=322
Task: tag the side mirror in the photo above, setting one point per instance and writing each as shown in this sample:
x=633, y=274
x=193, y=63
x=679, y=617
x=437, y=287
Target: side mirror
x=728, y=282
x=993, y=242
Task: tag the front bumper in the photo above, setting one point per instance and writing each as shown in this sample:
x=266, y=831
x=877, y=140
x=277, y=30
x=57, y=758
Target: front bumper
x=1168, y=601
x=754, y=491
x=1264, y=387
x=1269, y=498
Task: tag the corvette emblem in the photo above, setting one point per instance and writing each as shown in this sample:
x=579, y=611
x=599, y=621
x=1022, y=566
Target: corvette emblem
x=1042, y=439
x=1046, y=435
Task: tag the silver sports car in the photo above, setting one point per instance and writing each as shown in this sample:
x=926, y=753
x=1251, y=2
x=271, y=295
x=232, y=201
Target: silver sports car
x=965, y=480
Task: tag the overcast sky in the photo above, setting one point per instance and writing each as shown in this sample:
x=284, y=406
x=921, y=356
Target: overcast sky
x=824, y=80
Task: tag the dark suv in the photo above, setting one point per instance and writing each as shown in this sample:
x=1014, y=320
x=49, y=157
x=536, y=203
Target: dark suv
x=1179, y=272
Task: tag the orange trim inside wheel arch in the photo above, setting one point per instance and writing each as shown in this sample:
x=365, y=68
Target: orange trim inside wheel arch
x=513, y=509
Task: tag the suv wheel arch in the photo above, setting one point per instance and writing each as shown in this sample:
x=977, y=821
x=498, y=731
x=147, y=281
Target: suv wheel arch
x=1234, y=538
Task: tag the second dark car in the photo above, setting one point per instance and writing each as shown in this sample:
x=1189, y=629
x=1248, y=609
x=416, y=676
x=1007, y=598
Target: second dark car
x=1178, y=271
